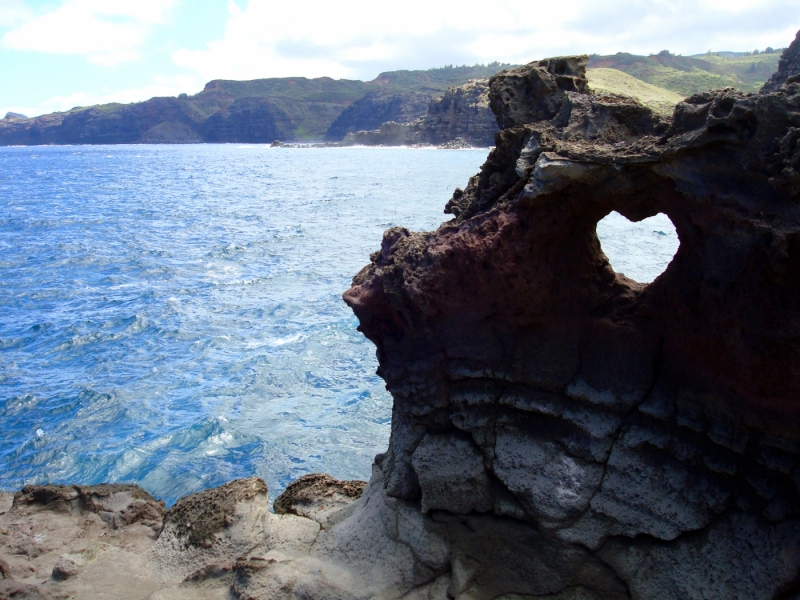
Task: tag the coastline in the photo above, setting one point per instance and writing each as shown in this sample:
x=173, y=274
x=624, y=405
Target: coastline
x=558, y=429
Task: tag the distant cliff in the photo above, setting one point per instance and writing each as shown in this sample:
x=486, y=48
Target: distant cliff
x=378, y=107
x=257, y=111
x=462, y=115
x=436, y=106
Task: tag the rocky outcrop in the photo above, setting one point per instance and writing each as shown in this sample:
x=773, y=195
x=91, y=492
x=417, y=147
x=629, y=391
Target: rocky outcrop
x=390, y=133
x=788, y=66
x=567, y=430
x=54, y=538
x=462, y=113
x=378, y=107
x=461, y=118
x=317, y=495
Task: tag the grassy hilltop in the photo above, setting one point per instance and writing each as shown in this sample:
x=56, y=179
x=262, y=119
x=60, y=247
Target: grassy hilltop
x=687, y=75
x=611, y=80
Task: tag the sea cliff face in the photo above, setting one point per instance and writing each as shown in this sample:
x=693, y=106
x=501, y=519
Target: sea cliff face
x=378, y=107
x=461, y=115
x=256, y=111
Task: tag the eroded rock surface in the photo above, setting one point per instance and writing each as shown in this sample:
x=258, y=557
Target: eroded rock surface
x=318, y=496
x=645, y=438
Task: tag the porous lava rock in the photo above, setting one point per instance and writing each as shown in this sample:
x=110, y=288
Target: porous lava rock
x=565, y=429
x=317, y=495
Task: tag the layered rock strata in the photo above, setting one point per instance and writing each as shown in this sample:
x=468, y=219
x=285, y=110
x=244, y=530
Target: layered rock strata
x=583, y=430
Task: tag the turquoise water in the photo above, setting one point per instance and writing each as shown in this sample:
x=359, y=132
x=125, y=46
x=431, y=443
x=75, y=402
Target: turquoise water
x=172, y=315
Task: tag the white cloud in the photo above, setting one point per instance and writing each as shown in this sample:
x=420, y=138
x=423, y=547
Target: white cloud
x=103, y=31
x=359, y=38
x=13, y=13
x=161, y=86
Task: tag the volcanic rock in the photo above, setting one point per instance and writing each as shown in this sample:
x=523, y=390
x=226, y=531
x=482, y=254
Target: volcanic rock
x=317, y=496
x=788, y=66
x=574, y=429
x=377, y=107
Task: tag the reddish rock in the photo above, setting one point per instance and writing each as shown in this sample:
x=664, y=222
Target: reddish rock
x=656, y=426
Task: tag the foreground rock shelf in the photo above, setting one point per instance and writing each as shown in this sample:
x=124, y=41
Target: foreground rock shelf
x=558, y=429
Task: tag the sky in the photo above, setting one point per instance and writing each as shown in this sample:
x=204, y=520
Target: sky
x=57, y=54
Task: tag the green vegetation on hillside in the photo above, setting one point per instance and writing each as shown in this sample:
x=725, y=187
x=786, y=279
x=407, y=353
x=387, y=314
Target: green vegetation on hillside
x=687, y=75
x=322, y=89
x=437, y=80
x=750, y=71
x=612, y=80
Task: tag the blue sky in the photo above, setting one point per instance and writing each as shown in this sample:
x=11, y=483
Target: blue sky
x=56, y=54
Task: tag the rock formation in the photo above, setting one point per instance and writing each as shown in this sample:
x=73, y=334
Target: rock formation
x=567, y=428
x=462, y=114
x=558, y=429
x=788, y=66
x=378, y=107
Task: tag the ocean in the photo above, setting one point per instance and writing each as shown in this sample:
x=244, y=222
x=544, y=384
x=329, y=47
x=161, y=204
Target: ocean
x=171, y=316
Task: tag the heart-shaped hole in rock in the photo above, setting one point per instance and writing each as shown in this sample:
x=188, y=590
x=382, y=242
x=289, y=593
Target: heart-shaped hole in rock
x=640, y=250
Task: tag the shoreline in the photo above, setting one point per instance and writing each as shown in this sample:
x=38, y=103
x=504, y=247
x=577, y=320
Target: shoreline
x=558, y=429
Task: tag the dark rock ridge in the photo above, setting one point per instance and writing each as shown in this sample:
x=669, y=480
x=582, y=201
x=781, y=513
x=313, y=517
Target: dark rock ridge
x=788, y=66
x=565, y=430
x=462, y=114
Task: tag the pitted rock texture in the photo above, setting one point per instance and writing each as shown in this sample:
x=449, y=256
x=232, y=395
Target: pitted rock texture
x=197, y=517
x=60, y=541
x=653, y=428
x=317, y=496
